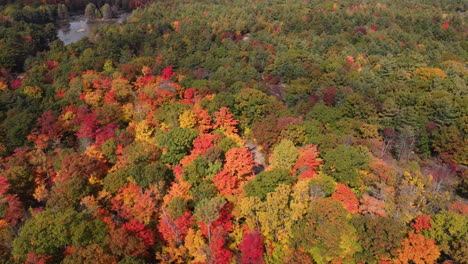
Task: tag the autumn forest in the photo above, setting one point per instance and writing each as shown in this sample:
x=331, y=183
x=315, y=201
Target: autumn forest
x=235, y=131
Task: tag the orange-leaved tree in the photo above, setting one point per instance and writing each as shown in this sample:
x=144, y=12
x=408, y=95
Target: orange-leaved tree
x=237, y=170
x=418, y=249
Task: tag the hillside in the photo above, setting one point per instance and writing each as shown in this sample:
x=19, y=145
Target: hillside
x=212, y=131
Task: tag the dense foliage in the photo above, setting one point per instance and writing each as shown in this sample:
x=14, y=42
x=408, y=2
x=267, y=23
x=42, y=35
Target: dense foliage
x=236, y=132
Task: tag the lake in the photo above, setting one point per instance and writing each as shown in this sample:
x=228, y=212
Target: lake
x=77, y=27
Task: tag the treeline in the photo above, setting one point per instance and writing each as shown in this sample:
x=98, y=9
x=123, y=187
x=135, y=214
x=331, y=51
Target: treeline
x=74, y=5
x=27, y=27
x=242, y=132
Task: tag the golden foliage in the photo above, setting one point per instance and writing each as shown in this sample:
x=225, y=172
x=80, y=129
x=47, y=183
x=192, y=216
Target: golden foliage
x=144, y=131
x=188, y=119
x=41, y=193
x=34, y=92
x=429, y=73
x=196, y=246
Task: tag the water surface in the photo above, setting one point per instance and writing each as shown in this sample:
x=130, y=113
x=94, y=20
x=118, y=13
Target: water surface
x=77, y=27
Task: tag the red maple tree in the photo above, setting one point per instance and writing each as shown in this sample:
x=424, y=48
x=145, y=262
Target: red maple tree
x=251, y=248
x=344, y=195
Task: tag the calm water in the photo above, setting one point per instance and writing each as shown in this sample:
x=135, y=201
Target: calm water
x=77, y=27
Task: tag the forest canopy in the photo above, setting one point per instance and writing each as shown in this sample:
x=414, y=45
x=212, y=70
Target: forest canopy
x=213, y=131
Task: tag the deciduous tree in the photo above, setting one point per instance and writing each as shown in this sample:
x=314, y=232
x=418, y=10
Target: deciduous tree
x=225, y=121
x=251, y=248
x=346, y=196
x=284, y=155
x=418, y=249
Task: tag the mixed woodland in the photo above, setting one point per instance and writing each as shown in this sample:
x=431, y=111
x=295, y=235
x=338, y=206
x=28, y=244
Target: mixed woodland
x=240, y=131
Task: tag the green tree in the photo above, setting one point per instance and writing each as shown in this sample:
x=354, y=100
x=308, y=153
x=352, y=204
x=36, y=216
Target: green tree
x=267, y=181
x=205, y=190
x=114, y=180
x=50, y=232
x=21, y=181
x=450, y=230
x=106, y=11
x=252, y=105
x=379, y=237
x=92, y=12
x=196, y=171
x=345, y=162
x=17, y=125
x=67, y=194
x=449, y=143
x=148, y=174
x=325, y=114
x=284, y=155
x=355, y=106
x=326, y=232
x=177, y=207
x=178, y=142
